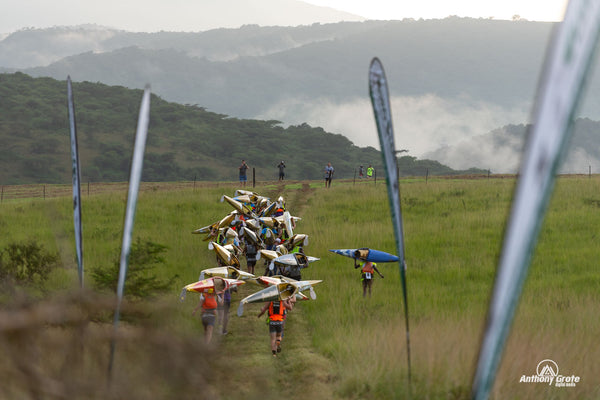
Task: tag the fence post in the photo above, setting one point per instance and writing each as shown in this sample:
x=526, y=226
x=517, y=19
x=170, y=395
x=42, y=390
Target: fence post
x=253, y=177
x=427, y=175
x=354, y=182
x=2, y=194
x=44, y=192
x=590, y=172
x=194, y=182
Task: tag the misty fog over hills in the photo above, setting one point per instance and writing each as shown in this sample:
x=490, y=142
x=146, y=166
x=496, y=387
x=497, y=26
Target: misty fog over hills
x=455, y=83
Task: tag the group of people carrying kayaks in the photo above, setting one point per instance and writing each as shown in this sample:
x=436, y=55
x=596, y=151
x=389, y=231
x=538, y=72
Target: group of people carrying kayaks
x=261, y=229
x=257, y=229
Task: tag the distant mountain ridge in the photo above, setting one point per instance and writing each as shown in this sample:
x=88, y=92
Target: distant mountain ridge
x=482, y=59
x=40, y=47
x=479, y=60
x=168, y=16
x=452, y=80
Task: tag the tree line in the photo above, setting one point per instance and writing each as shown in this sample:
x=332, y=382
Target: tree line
x=185, y=142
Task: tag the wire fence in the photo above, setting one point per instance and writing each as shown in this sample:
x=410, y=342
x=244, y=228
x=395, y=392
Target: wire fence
x=43, y=191
x=48, y=191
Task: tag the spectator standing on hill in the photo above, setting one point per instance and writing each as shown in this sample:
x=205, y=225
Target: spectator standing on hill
x=243, y=168
x=361, y=172
x=328, y=174
x=281, y=167
x=370, y=171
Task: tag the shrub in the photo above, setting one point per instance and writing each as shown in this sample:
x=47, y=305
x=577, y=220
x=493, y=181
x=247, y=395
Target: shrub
x=26, y=263
x=140, y=282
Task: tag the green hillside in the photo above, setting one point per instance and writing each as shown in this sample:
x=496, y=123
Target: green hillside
x=185, y=142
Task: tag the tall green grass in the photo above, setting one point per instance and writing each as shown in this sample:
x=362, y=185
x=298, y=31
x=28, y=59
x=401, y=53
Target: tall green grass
x=349, y=347
x=453, y=239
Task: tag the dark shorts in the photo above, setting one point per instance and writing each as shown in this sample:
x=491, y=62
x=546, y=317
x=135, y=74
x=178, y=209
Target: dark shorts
x=243, y=178
x=275, y=326
x=208, y=319
x=367, y=280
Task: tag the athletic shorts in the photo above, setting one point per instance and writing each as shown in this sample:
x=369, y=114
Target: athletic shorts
x=208, y=319
x=275, y=326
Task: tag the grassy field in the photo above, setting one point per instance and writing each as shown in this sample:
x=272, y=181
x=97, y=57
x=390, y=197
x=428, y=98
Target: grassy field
x=341, y=346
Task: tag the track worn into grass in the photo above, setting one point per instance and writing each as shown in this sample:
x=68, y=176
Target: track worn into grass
x=247, y=344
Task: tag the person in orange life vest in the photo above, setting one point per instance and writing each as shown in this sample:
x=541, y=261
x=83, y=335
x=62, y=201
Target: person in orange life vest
x=209, y=302
x=277, y=312
x=367, y=269
x=291, y=303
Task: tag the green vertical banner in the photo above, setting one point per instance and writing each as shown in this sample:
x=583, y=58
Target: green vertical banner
x=135, y=178
x=567, y=63
x=76, y=172
x=378, y=91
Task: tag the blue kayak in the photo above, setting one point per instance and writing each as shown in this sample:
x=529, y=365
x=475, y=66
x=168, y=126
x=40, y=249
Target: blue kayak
x=366, y=254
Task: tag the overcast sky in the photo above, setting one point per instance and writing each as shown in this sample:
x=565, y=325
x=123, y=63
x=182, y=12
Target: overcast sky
x=197, y=15
x=534, y=10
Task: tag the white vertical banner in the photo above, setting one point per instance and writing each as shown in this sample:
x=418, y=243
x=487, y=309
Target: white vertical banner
x=567, y=63
x=76, y=173
x=378, y=91
x=137, y=164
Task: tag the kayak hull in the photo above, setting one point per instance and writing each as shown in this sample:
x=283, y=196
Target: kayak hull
x=367, y=254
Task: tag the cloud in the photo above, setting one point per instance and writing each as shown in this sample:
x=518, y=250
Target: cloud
x=426, y=126
x=578, y=160
x=499, y=151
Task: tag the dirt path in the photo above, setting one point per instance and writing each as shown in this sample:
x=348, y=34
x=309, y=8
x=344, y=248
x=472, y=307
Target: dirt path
x=299, y=370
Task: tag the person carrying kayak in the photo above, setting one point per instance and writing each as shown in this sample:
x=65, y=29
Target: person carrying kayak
x=367, y=270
